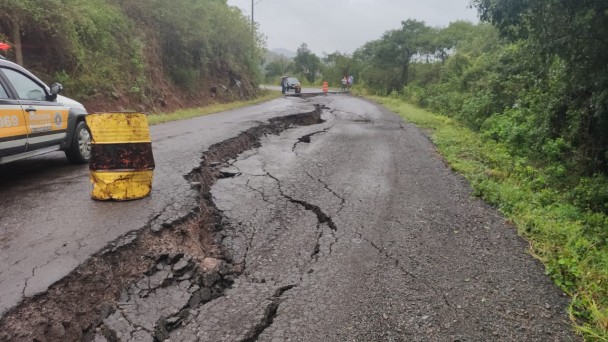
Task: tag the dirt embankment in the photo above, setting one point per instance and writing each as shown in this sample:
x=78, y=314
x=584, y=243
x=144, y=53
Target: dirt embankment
x=160, y=94
x=163, y=97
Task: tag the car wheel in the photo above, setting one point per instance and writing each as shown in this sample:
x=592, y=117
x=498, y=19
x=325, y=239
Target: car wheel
x=298, y=90
x=80, y=150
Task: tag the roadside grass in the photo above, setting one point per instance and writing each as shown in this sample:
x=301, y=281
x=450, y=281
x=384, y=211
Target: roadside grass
x=266, y=95
x=571, y=243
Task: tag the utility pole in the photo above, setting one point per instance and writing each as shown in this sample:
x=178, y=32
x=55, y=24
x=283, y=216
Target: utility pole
x=253, y=3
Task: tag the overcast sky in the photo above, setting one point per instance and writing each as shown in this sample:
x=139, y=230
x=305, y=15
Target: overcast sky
x=345, y=25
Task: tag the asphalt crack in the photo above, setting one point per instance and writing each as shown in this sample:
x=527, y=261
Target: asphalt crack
x=306, y=138
x=322, y=217
x=322, y=220
x=398, y=265
x=328, y=188
x=26, y=284
x=362, y=118
x=269, y=314
x=76, y=302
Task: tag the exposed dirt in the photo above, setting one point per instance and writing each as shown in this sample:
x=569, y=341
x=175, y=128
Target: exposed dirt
x=44, y=54
x=83, y=304
x=160, y=95
x=167, y=98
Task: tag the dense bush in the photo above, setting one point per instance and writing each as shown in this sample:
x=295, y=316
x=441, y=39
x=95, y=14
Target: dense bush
x=143, y=49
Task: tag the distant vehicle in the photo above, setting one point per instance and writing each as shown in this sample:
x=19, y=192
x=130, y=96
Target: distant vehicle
x=35, y=119
x=288, y=83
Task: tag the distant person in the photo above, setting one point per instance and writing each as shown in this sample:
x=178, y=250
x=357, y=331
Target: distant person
x=351, y=80
x=344, y=81
x=284, y=84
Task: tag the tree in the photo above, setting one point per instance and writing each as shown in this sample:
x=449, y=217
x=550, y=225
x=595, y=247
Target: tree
x=400, y=46
x=337, y=65
x=445, y=41
x=15, y=13
x=386, y=62
x=278, y=65
x=307, y=63
x=571, y=38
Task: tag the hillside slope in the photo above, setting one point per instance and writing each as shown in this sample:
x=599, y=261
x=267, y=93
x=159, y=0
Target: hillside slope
x=140, y=55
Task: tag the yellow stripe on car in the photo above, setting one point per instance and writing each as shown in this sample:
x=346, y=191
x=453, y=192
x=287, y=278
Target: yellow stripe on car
x=11, y=122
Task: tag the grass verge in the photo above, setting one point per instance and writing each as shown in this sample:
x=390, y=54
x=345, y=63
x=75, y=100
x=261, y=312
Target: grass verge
x=570, y=242
x=267, y=95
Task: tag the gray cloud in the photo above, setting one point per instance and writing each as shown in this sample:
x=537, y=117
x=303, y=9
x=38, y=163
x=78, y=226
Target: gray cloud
x=345, y=25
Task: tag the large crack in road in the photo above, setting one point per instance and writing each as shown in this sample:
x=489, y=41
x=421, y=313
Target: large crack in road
x=146, y=283
x=348, y=229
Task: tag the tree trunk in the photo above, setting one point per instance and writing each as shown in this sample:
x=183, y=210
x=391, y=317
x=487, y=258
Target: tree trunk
x=17, y=43
x=404, y=73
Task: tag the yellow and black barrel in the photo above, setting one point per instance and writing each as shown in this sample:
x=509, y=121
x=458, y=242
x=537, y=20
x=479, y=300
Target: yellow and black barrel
x=121, y=163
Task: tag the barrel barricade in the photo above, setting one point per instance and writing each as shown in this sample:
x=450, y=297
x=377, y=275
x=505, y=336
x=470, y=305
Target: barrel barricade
x=121, y=165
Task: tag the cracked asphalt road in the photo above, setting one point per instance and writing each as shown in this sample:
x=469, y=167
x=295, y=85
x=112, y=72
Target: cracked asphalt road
x=49, y=225
x=355, y=230
x=348, y=230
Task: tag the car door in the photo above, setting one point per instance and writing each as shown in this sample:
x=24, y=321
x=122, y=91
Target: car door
x=13, y=128
x=46, y=121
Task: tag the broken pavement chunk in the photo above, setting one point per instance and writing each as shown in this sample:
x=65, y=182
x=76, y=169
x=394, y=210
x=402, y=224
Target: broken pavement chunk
x=229, y=172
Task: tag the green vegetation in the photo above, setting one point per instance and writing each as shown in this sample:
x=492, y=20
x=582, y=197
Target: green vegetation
x=571, y=242
x=266, y=95
x=523, y=100
x=309, y=68
x=306, y=63
x=276, y=67
x=151, y=53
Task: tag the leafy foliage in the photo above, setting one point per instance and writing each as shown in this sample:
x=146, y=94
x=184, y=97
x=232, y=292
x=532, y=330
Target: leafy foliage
x=136, y=48
x=571, y=39
x=276, y=67
x=307, y=63
x=387, y=60
x=337, y=65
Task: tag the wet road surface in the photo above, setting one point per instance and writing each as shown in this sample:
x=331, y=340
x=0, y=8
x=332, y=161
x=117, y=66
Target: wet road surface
x=49, y=225
x=352, y=229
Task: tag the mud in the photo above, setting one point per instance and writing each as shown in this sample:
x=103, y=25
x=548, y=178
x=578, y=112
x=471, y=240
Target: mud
x=180, y=265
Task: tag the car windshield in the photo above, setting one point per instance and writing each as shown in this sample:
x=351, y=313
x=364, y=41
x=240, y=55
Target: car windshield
x=293, y=80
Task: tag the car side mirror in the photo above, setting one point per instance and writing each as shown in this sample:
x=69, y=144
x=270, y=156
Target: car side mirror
x=56, y=88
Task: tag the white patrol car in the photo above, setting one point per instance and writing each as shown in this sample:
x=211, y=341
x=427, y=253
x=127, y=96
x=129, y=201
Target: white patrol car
x=35, y=119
